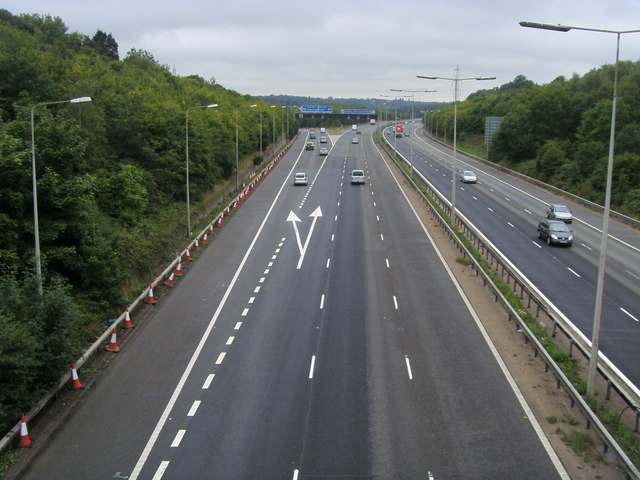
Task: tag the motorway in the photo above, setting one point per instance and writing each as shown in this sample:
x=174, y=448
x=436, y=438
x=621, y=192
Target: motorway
x=318, y=336
x=506, y=210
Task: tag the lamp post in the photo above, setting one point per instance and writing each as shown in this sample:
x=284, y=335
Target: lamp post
x=597, y=314
x=186, y=128
x=237, y=152
x=413, y=99
x=36, y=228
x=273, y=131
x=456, y=81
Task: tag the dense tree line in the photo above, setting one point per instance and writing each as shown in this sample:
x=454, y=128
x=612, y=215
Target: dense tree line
x=111, y=184
x=559, y=132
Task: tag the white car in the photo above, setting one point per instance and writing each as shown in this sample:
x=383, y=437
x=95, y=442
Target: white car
x=300, y=178
x=468, y=177
x=354, y=140
x=357, y=177
x=324, y=151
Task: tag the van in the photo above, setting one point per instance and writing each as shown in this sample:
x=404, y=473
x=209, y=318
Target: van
x=354, y=127
x=323, y=130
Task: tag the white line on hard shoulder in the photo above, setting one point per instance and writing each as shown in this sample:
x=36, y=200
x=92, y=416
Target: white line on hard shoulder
x=322, y=302
x=395, y=302
x=328, y=262
x=387, y=262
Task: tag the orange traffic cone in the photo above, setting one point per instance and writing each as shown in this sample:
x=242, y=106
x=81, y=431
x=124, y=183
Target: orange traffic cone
x=151, y=299
x=178, y=270
x=113, y=344
x=188, y=254
x=204, y=238
x=75, y=380
x=24, y=441
x=220, y=219
x=169, y=281
x=197, y=244
x=127, y=318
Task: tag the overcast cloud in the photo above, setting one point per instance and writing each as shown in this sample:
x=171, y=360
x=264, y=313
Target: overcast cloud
x=356, y=48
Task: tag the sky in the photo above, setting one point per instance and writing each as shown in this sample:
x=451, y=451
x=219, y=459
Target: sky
x=357, y=48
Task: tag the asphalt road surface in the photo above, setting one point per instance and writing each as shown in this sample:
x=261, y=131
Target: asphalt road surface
x=506, y=210
x=318, y=336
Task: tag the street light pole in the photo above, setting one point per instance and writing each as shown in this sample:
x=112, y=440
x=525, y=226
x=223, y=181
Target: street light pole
x=413, y=100
x=273, y=132
x=36, y=227
x=186, y=128
x=237, y=152
x=597, y=313
x=456, y=81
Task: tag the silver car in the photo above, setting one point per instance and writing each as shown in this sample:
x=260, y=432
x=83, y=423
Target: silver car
x=357, y=177
x=300, y=178
x=468, y=177
x=559, y=212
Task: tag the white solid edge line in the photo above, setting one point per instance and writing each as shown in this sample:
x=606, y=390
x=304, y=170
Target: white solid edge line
x=185, y=375
x=553, y=456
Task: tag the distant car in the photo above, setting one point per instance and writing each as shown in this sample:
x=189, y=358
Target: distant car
x=300, y=178
x=324, y=151
x=555, y=232
x=357, y=177
x=406, y=133
x=354, y=140
x=387, y=132
x=468, y=177
x=323, y=139
x=309, y=146
x=359, y=132
x=312, y=135
x=559, y=212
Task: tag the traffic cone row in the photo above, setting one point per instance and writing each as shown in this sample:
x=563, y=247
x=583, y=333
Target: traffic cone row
x=169, y=281
x=188, y=254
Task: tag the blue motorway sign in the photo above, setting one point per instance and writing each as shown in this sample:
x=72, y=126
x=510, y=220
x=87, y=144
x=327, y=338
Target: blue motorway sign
x=316, y=109
x=357, y=111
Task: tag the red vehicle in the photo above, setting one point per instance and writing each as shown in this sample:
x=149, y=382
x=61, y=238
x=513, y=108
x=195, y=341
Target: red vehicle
x=399, y=129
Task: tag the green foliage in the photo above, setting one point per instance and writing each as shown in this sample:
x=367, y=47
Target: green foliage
x=559, y=132
x=36, y=342
x=110, y=179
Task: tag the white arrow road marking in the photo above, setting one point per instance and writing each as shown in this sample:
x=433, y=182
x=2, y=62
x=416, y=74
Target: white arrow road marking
x=293, y=218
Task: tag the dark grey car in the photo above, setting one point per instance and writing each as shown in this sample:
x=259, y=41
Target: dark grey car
x=555, y=232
